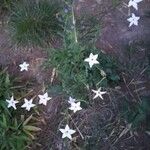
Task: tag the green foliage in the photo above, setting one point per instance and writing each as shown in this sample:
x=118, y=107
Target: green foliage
x=136, y=113
x=35, y=22
x=75, y=75
x=5, y=4
x=15, y=131
x=11, y=136
x=5, y=89
x=5, y=83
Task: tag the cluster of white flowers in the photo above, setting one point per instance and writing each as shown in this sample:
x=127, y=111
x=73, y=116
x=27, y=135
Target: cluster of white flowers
x=92, y=59
x=75, y=105
x=133, y=20
x=28, y=104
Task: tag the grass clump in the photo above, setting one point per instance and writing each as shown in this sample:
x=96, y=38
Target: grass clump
x=5, y=4
x=35, y=22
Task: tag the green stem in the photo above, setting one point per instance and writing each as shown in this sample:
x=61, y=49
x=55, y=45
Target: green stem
x=74, y=23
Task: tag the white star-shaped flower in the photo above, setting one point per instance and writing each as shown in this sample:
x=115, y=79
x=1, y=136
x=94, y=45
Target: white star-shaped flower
x=98, y=93
x=133, y=20
x=75, y=107
x=92, y=60
x=28, y=104
x=67, y=132
x=71, y=100
x=44, y=98
x=12, y=103
x=24, y=66
x=134, y=3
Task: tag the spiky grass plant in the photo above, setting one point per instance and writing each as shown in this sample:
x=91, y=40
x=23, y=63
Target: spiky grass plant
x=16, y=130
x=4, y=4
x=35, y=22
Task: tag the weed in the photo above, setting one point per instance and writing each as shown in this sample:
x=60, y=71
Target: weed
x=75, y=75
x=136, y=113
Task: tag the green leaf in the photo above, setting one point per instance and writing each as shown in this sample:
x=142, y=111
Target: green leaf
x=4, y=121
x=27, y=120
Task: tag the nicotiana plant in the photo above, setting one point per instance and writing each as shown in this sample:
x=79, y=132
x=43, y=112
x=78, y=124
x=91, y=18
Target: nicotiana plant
x=78, y=78
x=81, y=69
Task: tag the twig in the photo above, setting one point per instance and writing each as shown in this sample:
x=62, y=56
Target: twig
x=76, y=127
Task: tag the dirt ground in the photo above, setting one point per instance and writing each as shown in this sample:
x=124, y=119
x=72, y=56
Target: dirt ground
x=115, y=38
